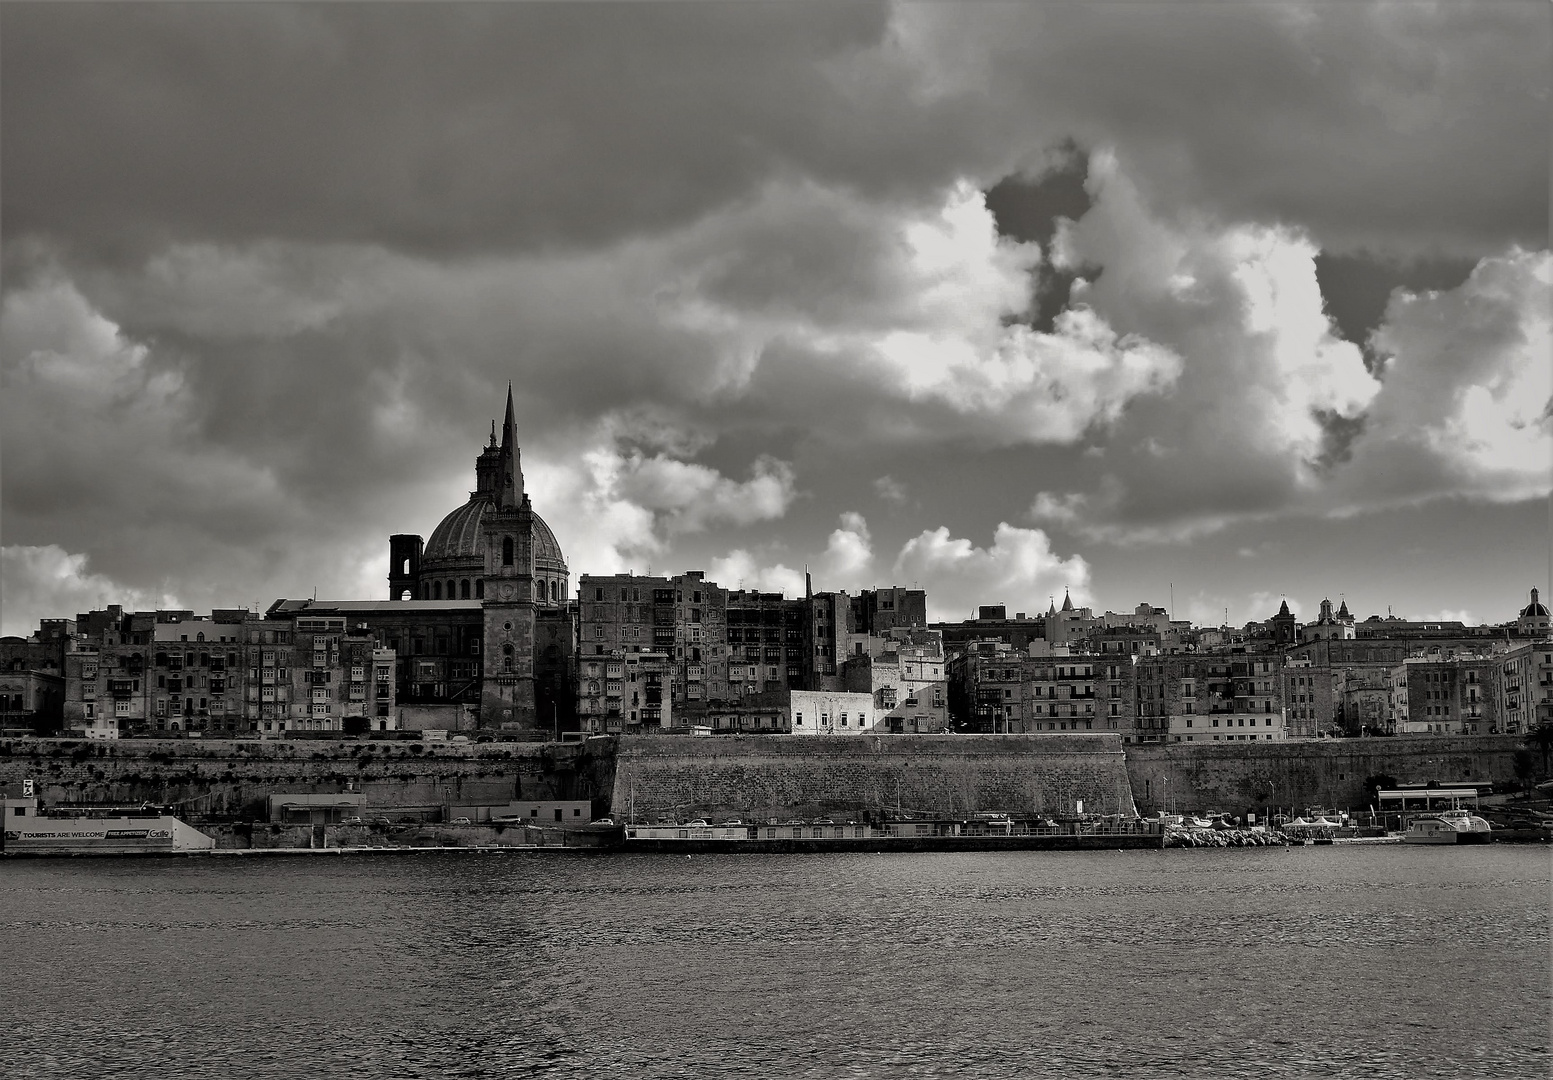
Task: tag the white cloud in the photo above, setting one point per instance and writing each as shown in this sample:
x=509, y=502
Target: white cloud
x=849, y=554
x=616, y=509
x=1466, y=391
x=740, y=569
x=1461, y=615
x=48, y=582
x=1019, y=570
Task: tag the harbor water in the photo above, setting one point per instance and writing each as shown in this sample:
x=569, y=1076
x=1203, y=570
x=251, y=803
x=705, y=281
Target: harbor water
x=1343, y=961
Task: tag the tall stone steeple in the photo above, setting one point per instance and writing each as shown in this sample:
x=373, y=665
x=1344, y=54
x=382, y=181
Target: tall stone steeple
x=507, y=542
x=509, y=492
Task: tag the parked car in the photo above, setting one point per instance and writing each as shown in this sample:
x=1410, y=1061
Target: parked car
x=695, y=823
x=460, y=821
x=604, y=821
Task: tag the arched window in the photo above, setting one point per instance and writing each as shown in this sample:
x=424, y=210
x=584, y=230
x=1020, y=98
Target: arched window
x=463, y=589
x=480, y=589
x=452, y=590
x=506, y=551
x=436, y=590
x=554, y=589
x=506, y=658
x=200, y=636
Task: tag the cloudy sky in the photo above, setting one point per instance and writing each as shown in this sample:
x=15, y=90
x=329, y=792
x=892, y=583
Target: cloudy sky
x=996, y=300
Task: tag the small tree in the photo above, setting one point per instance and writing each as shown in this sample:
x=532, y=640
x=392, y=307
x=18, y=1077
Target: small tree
x=1525, y=764
x=1374, y=783
x=1540, y=738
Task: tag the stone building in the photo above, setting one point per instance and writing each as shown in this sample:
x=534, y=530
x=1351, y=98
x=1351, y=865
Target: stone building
x=722, y=645
x=1203, y=684
x=1446, y=696
x=1330, y=624
x=496, y=552
x=905, y=673
x=875, y=611
x=1533, y=620
x=32, y=678
x=999, y=690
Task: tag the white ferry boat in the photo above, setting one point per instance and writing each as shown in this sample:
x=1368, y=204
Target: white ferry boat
x=1448, y=827
x=30, y=829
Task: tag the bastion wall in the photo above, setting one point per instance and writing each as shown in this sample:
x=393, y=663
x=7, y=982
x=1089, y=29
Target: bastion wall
x=1247, y=777
x=211, y=777
x=757, y=778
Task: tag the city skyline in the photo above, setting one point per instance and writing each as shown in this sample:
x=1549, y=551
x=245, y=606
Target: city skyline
x=905, y=299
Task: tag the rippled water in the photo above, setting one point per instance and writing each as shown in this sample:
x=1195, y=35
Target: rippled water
x=1338, y=961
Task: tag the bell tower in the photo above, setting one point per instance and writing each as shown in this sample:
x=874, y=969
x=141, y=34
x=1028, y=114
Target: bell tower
x=507, y=543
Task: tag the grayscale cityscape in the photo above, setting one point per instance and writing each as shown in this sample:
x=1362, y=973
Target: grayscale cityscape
x=881, y=539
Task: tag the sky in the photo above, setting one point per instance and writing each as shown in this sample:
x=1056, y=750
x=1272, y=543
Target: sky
x=1194, y=304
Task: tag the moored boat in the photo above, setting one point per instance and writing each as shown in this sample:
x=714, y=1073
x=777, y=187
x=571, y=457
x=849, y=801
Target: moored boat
x=1448, y=827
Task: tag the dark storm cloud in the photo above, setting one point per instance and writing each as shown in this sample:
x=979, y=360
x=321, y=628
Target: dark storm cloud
x=1356, y=289
x=1028, y=209
x=438, y=127
x=268, y=267
x=1412, y=128
x=455, y=127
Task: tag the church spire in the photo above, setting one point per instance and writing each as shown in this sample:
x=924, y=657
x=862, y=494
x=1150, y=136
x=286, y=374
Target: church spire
x=510, y=493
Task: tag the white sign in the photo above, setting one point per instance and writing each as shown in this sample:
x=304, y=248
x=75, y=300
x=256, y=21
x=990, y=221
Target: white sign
x=1078, y=806
x=26, y=789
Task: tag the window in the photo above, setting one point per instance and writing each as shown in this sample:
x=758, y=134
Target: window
x=798, y=720
x=506, y=553
x=463, y=589
x=480, y=589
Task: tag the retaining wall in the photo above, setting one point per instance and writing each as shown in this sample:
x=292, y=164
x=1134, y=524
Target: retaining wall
x=1241, y=777
x=234, y=777
x=783, y=777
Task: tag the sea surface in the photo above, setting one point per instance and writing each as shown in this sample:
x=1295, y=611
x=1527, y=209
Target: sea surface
x=1343, y=961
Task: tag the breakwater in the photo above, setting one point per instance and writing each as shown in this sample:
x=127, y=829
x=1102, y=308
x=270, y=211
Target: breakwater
x=782, y=777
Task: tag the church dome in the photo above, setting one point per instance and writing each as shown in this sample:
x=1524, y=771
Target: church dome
x=547, y=551
x=457, y=539
x=1534, y=610
x=458, y=535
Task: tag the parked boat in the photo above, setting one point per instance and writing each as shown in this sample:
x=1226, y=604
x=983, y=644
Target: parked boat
x=1448, y=827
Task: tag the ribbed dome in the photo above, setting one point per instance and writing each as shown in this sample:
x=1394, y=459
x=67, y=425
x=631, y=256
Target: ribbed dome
x=458, y=537
x=1534, y=610
x=547, y=552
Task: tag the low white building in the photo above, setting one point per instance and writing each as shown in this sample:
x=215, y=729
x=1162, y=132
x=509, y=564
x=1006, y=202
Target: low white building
x=824, y=712
x=1228, y=727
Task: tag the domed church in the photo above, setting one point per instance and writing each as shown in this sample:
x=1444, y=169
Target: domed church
x=494, y=549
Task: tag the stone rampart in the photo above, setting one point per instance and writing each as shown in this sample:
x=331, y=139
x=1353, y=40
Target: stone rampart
x=206, y=777
x=1246, y=777
x=758, y=778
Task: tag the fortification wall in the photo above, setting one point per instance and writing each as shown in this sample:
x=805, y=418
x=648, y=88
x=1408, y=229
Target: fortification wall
x=783, y=777
x=234, y=777
x=1242, y=777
